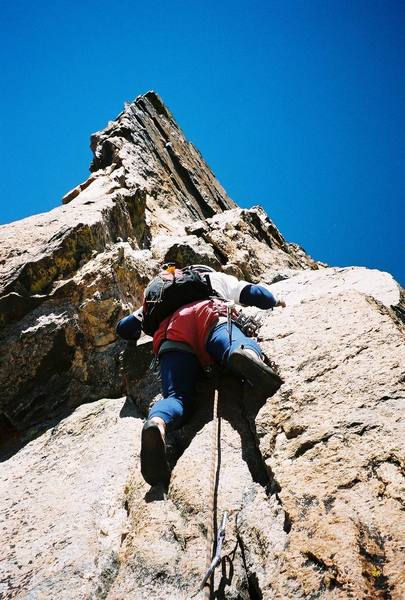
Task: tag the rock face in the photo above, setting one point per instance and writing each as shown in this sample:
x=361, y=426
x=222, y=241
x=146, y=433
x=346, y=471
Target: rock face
x=312, y=479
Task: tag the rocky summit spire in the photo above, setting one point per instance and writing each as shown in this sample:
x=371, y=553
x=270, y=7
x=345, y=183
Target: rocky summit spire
x=312, y=479
x=146, y=149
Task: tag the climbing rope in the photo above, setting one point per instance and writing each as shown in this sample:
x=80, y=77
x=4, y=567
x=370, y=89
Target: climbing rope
x=212, y=562
x=210, y=529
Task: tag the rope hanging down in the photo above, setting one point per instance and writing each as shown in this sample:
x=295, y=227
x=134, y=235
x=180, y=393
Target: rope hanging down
x=211, y=563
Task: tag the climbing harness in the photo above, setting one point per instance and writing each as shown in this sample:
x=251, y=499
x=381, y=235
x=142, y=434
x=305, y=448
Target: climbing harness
x=212, y=563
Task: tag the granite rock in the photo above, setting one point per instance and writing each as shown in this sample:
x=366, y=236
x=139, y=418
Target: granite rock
x=312, y=478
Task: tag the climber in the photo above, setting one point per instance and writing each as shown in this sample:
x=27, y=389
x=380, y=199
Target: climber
x=191, y=330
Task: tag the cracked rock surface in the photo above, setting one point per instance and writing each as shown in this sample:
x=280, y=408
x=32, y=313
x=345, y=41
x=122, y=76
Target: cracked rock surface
x=63, y=505
x=329, y=435
x=312, y=479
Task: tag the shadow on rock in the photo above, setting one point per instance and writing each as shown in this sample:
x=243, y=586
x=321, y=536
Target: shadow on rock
x=238, y=404
x=12, y=440
x=129, y=409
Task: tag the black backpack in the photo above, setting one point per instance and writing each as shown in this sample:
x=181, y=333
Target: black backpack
x=169, y=291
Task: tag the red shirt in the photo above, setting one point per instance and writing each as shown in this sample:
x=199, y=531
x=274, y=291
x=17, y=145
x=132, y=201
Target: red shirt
x=191, y=324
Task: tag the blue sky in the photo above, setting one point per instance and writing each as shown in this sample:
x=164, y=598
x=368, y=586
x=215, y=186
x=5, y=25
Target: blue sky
x=297, y=106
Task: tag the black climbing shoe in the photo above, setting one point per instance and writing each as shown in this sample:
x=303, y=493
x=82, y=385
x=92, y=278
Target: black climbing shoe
x=261, y=377
x=154, y=466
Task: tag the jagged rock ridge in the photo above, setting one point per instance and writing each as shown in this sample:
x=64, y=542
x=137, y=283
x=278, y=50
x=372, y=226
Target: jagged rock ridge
x=313, y=479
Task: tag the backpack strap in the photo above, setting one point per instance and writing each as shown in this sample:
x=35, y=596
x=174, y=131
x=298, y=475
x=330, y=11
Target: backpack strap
x=209, y=284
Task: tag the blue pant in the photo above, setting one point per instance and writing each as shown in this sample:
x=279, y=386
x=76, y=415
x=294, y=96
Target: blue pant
x=179, y=370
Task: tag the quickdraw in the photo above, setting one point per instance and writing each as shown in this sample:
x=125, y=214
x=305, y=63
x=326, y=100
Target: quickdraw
x=217, y=558
x=249, y=324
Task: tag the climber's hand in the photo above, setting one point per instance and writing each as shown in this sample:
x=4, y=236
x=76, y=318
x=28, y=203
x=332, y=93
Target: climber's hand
x=281, y=302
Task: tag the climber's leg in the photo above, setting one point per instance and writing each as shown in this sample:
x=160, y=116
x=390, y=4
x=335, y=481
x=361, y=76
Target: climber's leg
x=243, y=356
x=220, y=347
x=178, y=371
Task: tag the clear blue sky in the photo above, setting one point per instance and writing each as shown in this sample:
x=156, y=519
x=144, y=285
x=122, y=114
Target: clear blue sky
x=298, y=106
